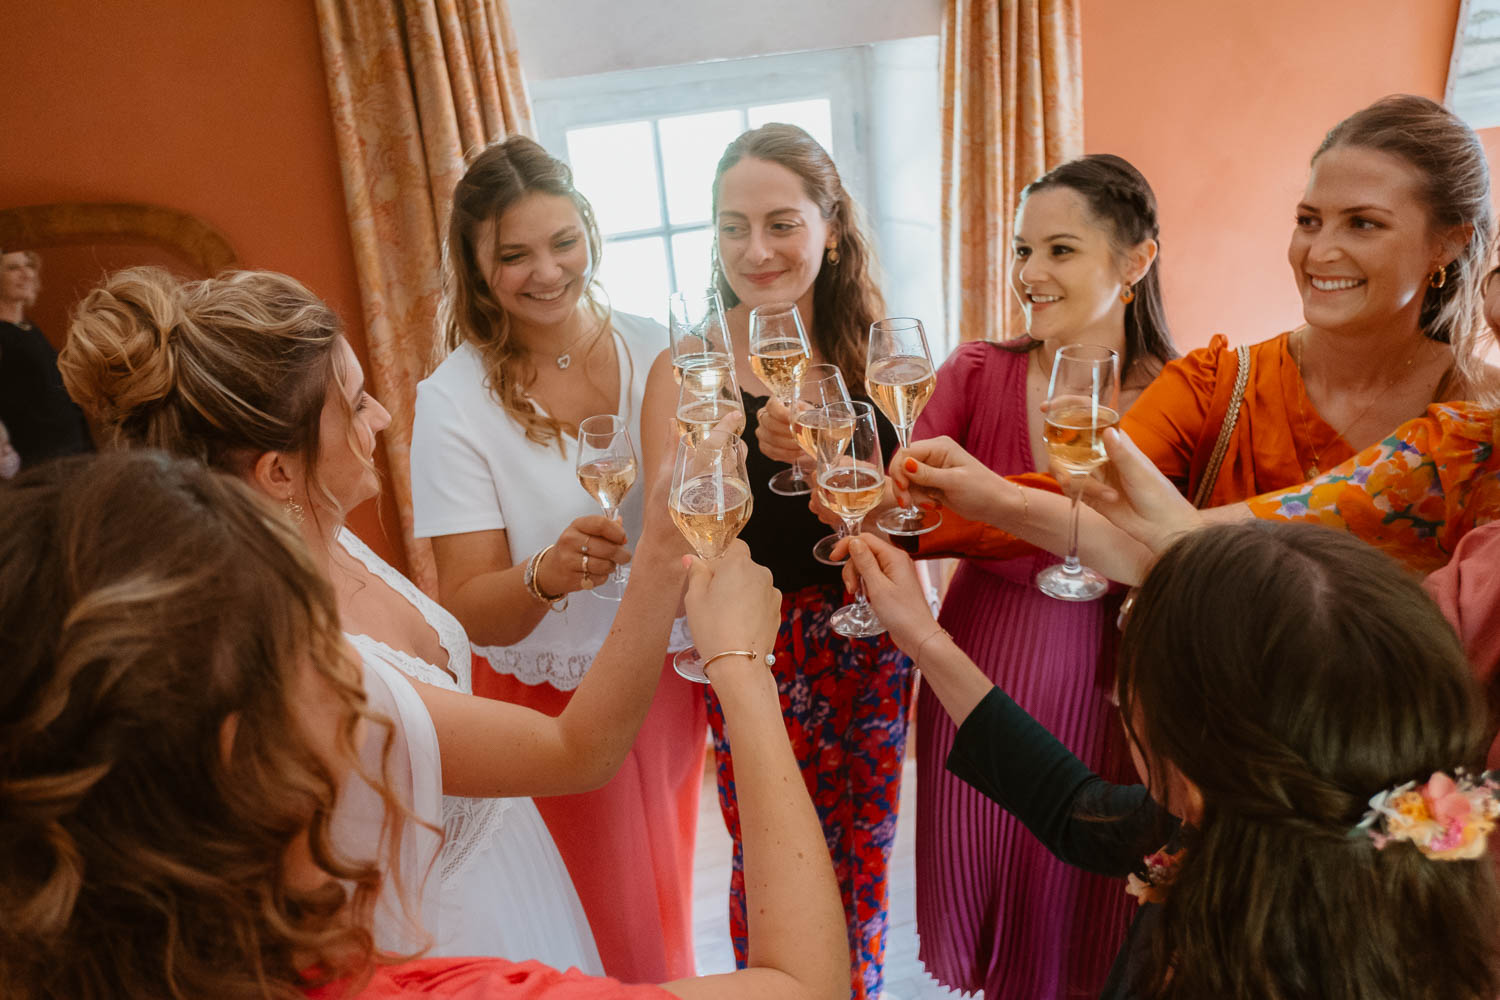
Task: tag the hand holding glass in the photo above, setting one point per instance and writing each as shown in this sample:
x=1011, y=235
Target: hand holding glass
x=779, y=354
x=818, y=387
x=851, y=483
x=899, y=378
x=606, y=469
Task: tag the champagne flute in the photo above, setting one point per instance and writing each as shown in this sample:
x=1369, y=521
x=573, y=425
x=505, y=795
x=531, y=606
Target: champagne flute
x=779, y=355
x=900, y=380
x=851, y=483
x=1082, y=402
x=707, y=396
x=710, y=502
x=606, y=469
x=698, y=334
x=819, y=386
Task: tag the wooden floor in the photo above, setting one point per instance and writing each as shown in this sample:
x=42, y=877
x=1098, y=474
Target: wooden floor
x=904, y=977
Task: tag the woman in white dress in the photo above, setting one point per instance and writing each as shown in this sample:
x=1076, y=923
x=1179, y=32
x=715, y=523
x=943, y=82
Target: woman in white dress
x=250, y=373
x=534, y=350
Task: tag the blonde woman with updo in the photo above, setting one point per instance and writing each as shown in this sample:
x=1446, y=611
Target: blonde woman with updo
x=523, y=552
x=251, y=374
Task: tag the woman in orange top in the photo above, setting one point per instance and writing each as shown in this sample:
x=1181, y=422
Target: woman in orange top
x=1391, y=239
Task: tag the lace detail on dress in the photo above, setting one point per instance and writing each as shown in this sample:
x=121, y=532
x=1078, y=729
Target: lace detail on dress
x=538, y=666
x=468, y=824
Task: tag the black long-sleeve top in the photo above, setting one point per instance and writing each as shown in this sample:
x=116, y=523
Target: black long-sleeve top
x=1081, y=818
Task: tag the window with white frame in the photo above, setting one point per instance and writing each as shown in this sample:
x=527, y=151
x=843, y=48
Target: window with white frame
x=643, y=146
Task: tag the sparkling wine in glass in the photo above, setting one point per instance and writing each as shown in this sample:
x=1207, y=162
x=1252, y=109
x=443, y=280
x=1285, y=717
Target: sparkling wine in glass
x=606, y=470
x=779, y=354
x=899, y=378
x=705, y=398
x=851, y=483
x=710, y=502
x=819, y=386
x=699, y=337
x=1082, y=402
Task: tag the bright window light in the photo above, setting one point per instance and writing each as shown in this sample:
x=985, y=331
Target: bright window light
x=615, y=167
x=634, y=273
x=816, y=117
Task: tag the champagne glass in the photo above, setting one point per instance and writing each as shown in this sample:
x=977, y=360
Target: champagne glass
x=851, y=483
x=1082, y=401
x=900, y=380
x=710, y=502
x=699, y=335
x=708, y=395
x=819, y=386
x=779, y=355
x=606, y=469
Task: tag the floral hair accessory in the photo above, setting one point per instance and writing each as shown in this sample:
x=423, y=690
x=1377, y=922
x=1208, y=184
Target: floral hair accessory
x=1447, y=819
x=1149, y=883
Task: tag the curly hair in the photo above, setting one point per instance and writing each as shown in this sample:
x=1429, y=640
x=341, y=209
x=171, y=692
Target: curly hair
x=156, y=621
x=501, y=175
x=846, y=296
x=1290, y=673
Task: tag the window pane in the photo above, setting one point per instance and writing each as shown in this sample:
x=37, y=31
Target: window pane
x=615, y=168
x=634, y=273
x=690, y=149
x=690, y=258
x=815, y=116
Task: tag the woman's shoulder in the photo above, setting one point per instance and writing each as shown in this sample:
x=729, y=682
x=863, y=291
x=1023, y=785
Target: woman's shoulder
x=639, y=331
x=1462, y=425
x=461, y=372
x=974, y=356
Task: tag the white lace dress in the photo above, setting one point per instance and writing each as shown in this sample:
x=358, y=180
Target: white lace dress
x=503, y=889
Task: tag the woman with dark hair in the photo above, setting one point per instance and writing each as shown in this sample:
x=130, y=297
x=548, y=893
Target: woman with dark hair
x=1310, y=825
x=787, y=231
x=1085, y=268
x=533, y=349
x=183, y=718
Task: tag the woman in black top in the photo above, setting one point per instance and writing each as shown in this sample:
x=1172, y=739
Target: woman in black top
x=1273, y=678
x=787, y=231
x=43, y=422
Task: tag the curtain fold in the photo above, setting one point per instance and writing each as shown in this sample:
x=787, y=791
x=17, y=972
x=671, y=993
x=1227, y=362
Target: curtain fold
x=414, y=86
x=1012, y=75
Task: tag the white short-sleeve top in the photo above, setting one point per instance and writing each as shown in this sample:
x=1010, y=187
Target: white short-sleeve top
x=473, y=469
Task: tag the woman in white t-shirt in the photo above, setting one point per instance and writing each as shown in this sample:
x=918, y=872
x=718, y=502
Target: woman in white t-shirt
x=519, y=544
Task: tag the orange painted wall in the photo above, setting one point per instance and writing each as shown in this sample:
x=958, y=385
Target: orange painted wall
x=218, y=109
x=1220, y=105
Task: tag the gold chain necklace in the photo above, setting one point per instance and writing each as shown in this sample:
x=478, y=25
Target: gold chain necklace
x=1315, y=470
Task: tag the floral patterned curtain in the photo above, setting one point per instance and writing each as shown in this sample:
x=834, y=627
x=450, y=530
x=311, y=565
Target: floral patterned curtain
x=415, y=85
x=1012, y=76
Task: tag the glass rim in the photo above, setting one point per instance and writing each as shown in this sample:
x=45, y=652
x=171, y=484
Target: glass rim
x=899, y=323
x=1087, y=352
x=616, y=425
x=774, y=309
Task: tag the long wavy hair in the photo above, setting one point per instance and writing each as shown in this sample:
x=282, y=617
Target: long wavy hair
x=157, y=623
x=1120, y=200
x=1291, y=672
x=501, y=175
x=1456, y=191
x=846, y=296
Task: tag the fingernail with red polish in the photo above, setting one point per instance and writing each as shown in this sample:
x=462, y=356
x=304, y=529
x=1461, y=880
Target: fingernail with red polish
x=911, y=465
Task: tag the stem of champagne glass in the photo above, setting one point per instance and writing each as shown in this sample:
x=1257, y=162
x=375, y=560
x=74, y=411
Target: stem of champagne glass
x=903, y=435
x=1070, y=562
x=851, y=530
x=796, y=465
x=618, y=574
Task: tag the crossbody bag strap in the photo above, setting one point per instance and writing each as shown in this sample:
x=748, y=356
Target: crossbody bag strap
x=1226, y=430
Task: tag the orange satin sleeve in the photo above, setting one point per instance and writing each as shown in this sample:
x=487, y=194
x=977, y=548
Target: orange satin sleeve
x=959, y=538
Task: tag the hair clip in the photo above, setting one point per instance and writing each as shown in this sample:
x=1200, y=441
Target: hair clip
x=1447, y=819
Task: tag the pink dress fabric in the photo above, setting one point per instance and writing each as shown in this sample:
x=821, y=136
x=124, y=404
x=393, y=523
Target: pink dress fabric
x=485, y=979
x=995, y=910
x=1468, y=591
x=629, y=845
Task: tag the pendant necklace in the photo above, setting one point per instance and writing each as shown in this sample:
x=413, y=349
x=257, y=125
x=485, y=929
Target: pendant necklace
x=1316, y=468
x=565, y=359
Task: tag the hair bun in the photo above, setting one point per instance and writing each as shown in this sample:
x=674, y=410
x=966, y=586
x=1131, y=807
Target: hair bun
x=121, y=352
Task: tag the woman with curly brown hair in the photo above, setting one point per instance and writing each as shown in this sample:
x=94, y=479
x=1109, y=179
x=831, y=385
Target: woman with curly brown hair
x=183, y=717
x=788, y=231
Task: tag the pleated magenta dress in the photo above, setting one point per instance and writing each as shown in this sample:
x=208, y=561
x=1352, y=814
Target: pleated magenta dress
x=995, y=910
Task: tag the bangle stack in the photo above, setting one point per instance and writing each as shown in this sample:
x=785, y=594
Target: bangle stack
x=534, y=588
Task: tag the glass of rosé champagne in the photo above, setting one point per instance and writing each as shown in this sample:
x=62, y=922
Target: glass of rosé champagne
x=851, y=484
x=779, y=354
x=899, y=378
x=606, y=470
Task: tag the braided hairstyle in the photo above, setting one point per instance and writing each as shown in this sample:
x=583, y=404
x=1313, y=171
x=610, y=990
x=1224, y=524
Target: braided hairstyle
x=1290, y=673
x=1120, y=199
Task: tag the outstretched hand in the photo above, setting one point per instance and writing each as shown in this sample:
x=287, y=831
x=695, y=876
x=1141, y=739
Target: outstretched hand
x=732, y=603
x=891, y=585
x=937, y=472
x=1137, y=498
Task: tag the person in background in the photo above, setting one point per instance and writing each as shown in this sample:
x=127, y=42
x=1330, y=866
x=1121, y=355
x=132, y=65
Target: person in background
x=788, y=231
x=10, y=459
x=1085, y=268
x=533, y=349
x=43, y=421
x=184, y=709
x=1316, y=832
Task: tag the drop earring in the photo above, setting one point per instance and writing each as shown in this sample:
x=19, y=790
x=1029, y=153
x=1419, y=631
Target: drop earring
x=293, y=511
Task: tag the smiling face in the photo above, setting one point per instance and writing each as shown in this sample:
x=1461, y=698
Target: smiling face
x=1363, y=249
x=349, y=423
x=536, y=260
x=771, y=236
x=1064, y=268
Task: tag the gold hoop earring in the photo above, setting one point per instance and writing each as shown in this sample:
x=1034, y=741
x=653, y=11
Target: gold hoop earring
x=1128, y=295
x=833, y=255
x=293, y=511
x=1438, y=278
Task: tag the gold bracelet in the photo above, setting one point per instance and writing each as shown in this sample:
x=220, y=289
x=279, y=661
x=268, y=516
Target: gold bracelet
x=1025, y=507
x=916, y=660
x=534, y=586
x=748, y=654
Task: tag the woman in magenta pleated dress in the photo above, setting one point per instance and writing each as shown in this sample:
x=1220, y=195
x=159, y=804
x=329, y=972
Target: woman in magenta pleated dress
x=995, y=911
